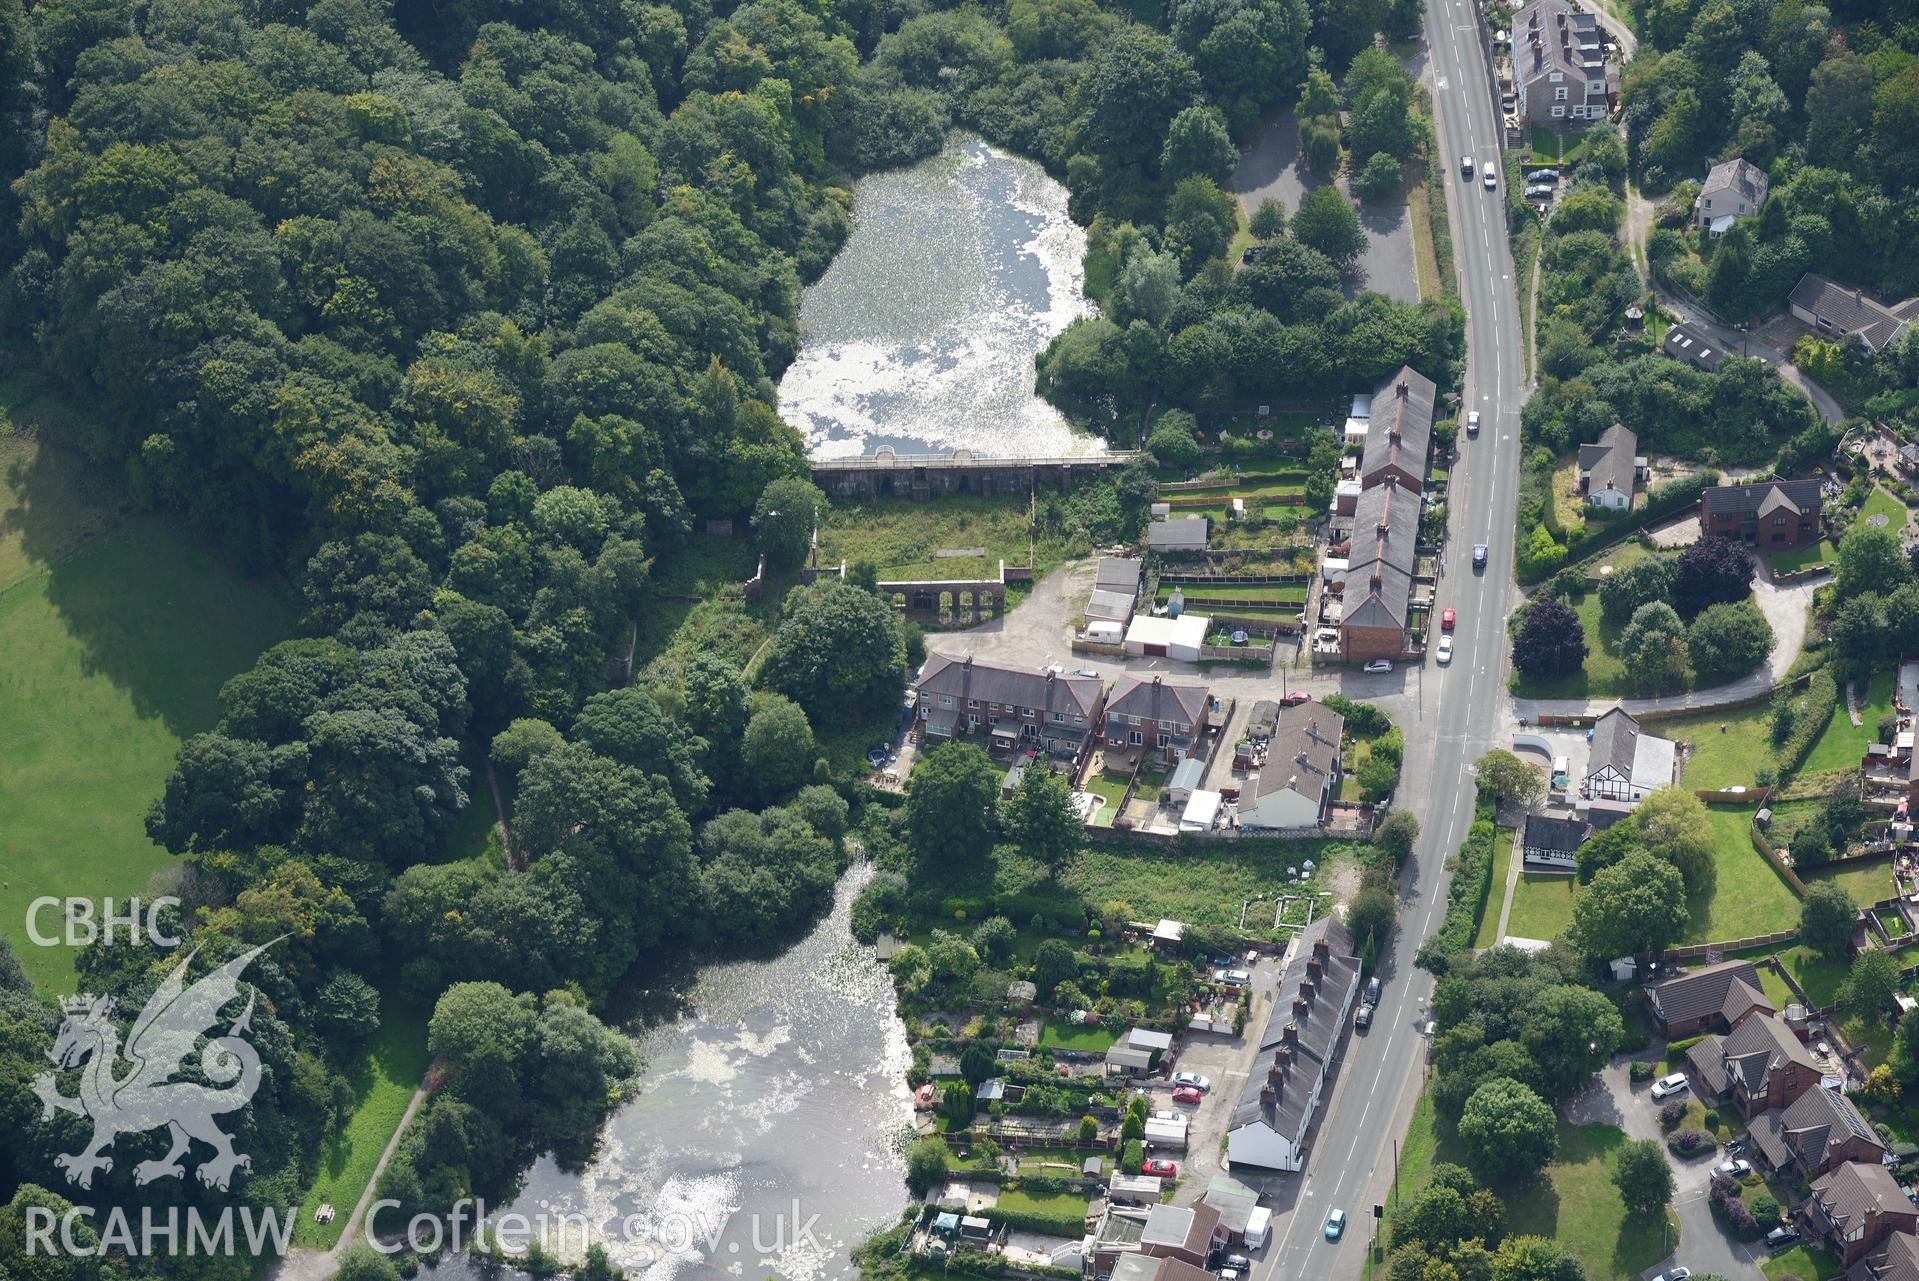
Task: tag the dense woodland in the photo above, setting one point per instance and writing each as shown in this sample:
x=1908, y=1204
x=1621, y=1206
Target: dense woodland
x=456, y=318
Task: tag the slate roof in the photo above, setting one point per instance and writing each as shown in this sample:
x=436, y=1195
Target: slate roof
x=1177, y=533
x=1822, y=1119
x=1401, y=427
x=1702, y=992
x=1379, y=571
x=1317, y=1032
x=1738, y=177
x=1118, y=574
x=1615, y=739
x=1741, y=998
x=1731, y=500
x=1897, y=1261
x=1849, y=311
x=1695, y=347
x=969, y=678
x=1303, y=751
x=1757, y=1046
x=1610, y=462
x=1549, y=36
x=1549, y=832
x=1155, y=699
x=1850, y=1192
x=1111, y=605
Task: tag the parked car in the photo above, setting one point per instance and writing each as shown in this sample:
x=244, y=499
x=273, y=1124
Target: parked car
x=1235, y=1261
x=1543, y=175
x=1363, y=1016
x=1479, y=555
x=1445, y=652
x=1472, y=422
x=1781, y=1237
x=1187, y=1094
x=1539, y=191
x=1295, y=698
x=1677, y=1274
x=1378, y=665
x=1372, y=990
x=1446, y=620
x=1466, y=166
x=1159, y=1167
x=1667, y=1086
x=1194, y=1080
x=1335, y=1224
x=1250, y=256
x=1233, y=978
x=1492, y=181
x=1220, y=961
x=1737, y=1168
x=1229, y=1274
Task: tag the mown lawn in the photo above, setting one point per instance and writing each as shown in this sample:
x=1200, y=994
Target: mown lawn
x=1067, y=1037
x=1866, y=882
x=1806, y=1262
x=1603, y=676
x=1488, y=933
x=383, y=1082
x=1841, y=744
x=1819, y=979
x=1729, y=747
x=1542, y=906
x=1110, y=788
x=1576, y=1205
x=1749, y=897
x=114, y=655
x=1286, y=593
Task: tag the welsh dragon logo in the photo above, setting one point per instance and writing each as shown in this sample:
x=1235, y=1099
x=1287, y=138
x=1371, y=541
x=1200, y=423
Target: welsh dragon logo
x=146, y=1097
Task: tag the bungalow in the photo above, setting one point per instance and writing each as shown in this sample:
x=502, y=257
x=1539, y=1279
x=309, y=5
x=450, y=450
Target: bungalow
x=1311, y=1010
x=1690, y=346
x=1839, y=312
x=1177, y=536
x=1776, y=515
x=1626, y=765
x=1167, y=718
x=1295, y=787
x=1711, y=999
x=1857, y=1208
x=1609, y=468
x=1018, y=708
x=1399, y=433
x=1820, y=1130
x=1551, y=844
x=1760, y=1066
x=1186, y=1233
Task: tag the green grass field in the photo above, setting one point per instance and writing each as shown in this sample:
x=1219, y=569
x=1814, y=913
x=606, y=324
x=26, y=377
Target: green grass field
x=115, y=652
x=1866, y=882
x=1577, y=1206
x=1286, y=593
x=1722, y=757
x=1806, y=1262
x=1110, y=788
x=1488, y=932
x=1200, y=884
x=1066, y=1037
x=1749, y=897
x=1603, y=676
x=1542, y=905
x=383, y=1084
x=1841, y=744
x=901, y=536
x=1878, y=503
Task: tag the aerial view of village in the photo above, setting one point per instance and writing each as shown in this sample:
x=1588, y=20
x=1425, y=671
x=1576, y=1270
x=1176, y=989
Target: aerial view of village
x=937, y=640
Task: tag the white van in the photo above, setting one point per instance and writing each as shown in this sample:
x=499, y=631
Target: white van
x=1562, y=773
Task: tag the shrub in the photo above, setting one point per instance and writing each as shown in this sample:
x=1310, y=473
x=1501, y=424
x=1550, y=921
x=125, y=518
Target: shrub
x=1688, y=1143
x=1727, y=1206
x=1671, y=1113
x=1765, y=1209
x=1641, y=1070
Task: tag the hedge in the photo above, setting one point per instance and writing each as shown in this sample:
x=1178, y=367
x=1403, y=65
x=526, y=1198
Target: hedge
x=1822, y=695
x=1465, y=900
x=1660, y=503
x=1052, y=1224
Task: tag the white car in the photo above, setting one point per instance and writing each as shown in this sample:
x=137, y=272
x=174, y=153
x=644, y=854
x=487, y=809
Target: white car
x=1667, y=1086
x=1472, y=422
x=1194, y=1079
x=1378, y=665
x=1445, y=654
x=1737, y=1168
x=1492, y=180
x=1677, y=1274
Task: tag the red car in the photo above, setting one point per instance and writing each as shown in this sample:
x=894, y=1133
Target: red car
x=1156, y=1165
x=1446, y=621
x=1186, y=1094
x=1297, y=697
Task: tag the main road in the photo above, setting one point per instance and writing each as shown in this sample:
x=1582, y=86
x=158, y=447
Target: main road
x=1450, y=714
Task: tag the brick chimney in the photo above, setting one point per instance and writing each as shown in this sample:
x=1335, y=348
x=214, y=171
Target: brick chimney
x=1289, y=1035
x=1269, y=1096
x=1322, y=951
x=1308, y=990
x=1314, y=970
x=1300, y=1006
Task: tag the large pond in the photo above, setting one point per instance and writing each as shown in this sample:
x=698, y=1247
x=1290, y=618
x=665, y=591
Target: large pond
x=767, y=1130
x=922, y=333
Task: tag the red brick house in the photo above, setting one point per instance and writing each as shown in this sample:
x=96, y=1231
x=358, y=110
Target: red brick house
x=1857, y=1208
x=1759, y=1066
x=1776, y=516
x=1713, y=999
x=1819, y=1131
x=1400, y=432
x=1157, y=716
x=1377, y=603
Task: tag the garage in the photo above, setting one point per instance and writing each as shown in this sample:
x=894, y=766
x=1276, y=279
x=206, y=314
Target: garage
x=1150, y=636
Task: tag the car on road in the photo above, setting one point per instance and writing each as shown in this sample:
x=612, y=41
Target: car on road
x=1466, y=166
x=1187, y=1094
x=1193, y=1080
x=1159, y=1167
x=1543, y=175
x=1737, y=1168
x=1335, y=1224
x=1492, y=180
x=1363, y=1016
x=1377, y=666
x=1233, y=978
x=1295, y=698
x=1667, y=1086
x=1479, y=555
x=1781, y=1237
x=1472, y=422
x=1677, y=1274
x=1446, y=620
x=1372, y=990
x=1445, y=652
